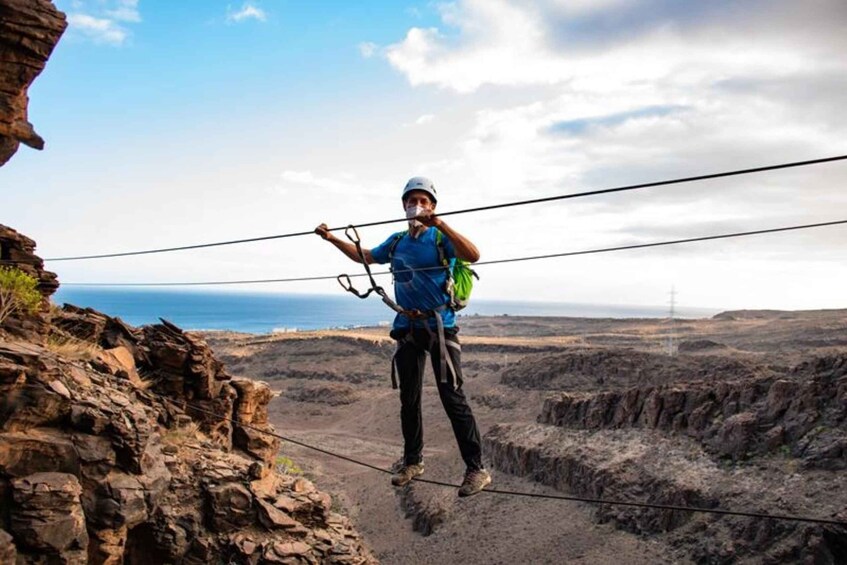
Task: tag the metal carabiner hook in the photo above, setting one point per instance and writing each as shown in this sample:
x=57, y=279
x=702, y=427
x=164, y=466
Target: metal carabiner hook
x=349, y=286
x=357, y=240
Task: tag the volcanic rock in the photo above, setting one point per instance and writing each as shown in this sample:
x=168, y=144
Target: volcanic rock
x=29, y=30
x=46, y=517
x=17, y=250
x=102, y=466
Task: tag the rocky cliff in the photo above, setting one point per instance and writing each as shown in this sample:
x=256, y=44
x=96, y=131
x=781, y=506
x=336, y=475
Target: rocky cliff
x=134, y=445
x=29, y=30
x=711, y=434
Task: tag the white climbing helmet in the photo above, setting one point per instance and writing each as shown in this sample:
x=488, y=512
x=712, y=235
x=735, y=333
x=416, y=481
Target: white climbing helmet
x=420, y=183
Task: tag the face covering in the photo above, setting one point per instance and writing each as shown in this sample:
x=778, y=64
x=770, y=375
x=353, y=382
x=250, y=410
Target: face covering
x=412, y=212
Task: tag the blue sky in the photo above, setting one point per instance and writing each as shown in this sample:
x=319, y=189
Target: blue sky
x=173, y=123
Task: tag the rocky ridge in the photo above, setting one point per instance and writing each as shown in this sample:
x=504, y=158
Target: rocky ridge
x=29, y=30
x=804, y=415
x=134, y=445
x=766, y=441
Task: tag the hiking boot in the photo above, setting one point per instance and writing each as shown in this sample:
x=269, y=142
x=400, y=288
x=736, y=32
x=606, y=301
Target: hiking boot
x=406, y=473
x=475, y=481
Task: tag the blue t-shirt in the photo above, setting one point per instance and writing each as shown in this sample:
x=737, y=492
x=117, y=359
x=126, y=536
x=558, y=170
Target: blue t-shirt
x=421, y=290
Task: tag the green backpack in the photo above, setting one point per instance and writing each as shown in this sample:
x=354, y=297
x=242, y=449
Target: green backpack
x=460, y=276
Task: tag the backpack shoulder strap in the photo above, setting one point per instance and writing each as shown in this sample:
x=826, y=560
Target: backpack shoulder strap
x=397, y=237
x=442, y=251
x=439, y=244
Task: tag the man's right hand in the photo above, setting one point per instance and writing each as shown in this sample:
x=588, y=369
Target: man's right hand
x=323, y=231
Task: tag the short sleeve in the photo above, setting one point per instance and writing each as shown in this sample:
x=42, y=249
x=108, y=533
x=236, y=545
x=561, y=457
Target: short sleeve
x=380, y=252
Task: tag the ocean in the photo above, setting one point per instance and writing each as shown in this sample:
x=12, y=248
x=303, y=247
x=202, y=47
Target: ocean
x=259, y=313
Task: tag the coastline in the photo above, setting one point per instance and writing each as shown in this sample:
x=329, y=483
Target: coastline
x=268, y=313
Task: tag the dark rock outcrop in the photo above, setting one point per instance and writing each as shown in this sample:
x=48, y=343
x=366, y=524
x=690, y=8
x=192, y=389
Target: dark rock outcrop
x=620, y=368
x=805, y=414
x=134, y=445
x=46, y=518
x=137, y=474
x=17, y=250
x=251, y=420
x=29, y=30
x=647, y=467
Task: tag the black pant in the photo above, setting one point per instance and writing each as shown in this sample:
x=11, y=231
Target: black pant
x=410, y=359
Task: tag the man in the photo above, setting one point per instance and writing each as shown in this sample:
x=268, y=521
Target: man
x=424, y=291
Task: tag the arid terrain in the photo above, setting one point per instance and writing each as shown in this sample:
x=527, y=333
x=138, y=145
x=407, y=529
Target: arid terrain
x=748, y=415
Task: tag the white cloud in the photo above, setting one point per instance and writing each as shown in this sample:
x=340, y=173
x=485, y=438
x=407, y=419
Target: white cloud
x=424, y=119
x=248, y=11
x=504, y=42
x=569, y=96
x=339, y=183
x=367, y=49
x=125, y=11
x=99, y=30
x=104, y=21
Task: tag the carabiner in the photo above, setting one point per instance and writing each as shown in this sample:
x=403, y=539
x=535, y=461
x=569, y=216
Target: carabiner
x=357, y=240
x=349, y=286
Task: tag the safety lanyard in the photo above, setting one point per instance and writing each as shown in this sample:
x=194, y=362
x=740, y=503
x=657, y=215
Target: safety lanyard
x=345, y=282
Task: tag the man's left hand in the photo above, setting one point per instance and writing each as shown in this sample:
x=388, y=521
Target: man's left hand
x=429, y=219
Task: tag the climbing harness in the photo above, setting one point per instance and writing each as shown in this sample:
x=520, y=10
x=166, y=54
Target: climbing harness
x=446, y=362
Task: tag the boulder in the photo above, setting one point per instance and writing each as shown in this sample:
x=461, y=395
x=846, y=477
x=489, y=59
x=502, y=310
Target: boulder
x=47, y=517
x=184, y=364
x=229, y=507
x=251, y=420
x=118, y=361
x=274, y=519
x=736, y=435
x=37, y=450
x=31, y=389
x=122, y=502
x=285, y=552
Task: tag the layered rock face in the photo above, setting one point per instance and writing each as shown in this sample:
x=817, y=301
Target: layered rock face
x=763, y=444
x=19, y=251
x=29, y=30
x=134, y=445
x=804, y=415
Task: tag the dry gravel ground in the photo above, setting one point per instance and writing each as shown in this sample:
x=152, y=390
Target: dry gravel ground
x=334, y=391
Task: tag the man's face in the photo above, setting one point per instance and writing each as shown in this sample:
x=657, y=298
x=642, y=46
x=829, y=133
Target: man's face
x=418, y=198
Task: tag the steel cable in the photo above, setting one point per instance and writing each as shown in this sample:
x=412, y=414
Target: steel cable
x=492, y=262
x=475, y=209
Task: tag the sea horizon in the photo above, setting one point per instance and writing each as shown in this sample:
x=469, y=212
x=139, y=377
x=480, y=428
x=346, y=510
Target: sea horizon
x=269, y=312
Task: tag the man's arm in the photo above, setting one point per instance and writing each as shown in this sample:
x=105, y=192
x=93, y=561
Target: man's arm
x=463, y=247
x=348, y=249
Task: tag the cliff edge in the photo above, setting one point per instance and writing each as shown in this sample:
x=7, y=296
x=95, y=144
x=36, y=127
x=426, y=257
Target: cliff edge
x=134, y=445
x=29, y=30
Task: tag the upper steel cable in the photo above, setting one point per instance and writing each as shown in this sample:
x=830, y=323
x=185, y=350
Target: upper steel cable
x=475, y=209
x=492, y=262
